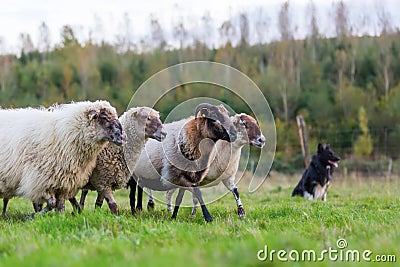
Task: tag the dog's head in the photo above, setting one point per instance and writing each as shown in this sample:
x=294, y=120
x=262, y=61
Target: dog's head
x=327, y=157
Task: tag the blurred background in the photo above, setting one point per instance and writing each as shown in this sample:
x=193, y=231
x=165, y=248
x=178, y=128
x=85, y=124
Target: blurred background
x=335, y=63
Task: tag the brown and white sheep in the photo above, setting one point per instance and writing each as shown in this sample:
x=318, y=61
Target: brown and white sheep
x=114, y=163
x=48, y=156
x=226, y=163
x=186, y=153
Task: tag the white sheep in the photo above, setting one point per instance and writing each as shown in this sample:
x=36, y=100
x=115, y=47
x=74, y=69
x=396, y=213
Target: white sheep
x=48, y=156
x=114, y=163
x=226, y=163
x=185, y=154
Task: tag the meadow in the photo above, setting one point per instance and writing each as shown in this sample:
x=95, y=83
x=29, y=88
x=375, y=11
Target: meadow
x=363, y=211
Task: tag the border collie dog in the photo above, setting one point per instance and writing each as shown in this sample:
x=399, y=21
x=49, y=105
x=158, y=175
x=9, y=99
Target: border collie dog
x=316, y=179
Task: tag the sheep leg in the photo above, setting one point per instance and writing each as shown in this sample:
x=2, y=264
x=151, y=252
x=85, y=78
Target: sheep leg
x=195, y=203
x=150, y=202
x=99, y=201
x=178, y=202
x=51, y=202
x=241, y=211
x=5, y=203
x=37, y=207
x=83, y=198
x=111, y=202
x=75, y=205
x=139, y=204
x=60, y=204
x=229, y=183
x=207, y=216
x=168, y=196
x=132, y=194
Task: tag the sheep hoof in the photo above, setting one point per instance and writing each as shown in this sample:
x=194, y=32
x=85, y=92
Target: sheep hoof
x=77, y=210
x=193, y=213
x=150, y=205
x=241, y=212
x=208, y=219
x=169, y=208
x=138, y=213
x=113, y=207
x=30, y=217
x=139, y=209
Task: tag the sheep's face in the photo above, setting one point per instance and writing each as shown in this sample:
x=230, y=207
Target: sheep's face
x=215, y=122
x=108, y=126
x=153, y=125
x=249, y=130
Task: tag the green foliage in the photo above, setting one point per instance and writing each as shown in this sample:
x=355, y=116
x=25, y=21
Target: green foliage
x=363, y=145
x=294, y=78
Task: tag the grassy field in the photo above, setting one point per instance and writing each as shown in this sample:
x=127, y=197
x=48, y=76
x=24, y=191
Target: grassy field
x=365, y=212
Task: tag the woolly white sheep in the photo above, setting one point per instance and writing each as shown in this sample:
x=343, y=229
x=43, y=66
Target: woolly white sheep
x=113, y=163
x=185, y=154
x=48, y=156
x=226, y=163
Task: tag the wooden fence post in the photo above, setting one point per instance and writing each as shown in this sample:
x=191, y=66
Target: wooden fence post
x=303, y=140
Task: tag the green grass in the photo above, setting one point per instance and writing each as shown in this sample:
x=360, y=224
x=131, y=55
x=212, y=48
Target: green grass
x=366, y=212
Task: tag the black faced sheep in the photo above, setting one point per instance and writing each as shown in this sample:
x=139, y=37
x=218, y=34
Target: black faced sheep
x=114, y=163
x=226, y=163
x=186, y=153
x=48, y=156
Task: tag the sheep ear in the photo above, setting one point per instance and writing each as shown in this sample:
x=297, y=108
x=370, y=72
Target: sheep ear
x=92, y=114
x=134, y=113
x=237, y=119
x=204, y=112
x=223, y=109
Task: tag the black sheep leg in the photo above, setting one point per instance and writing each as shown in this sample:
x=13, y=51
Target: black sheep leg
x=5, y=203
x=132, y=194
x=99, y=201
x=37, y=207
x=206, y=214
x=178, y=202
x=75, y=204
x=83, y=198
x=139, y=204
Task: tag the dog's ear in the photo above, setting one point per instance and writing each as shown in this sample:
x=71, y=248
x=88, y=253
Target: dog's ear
x=320, y=148
x=327, y=147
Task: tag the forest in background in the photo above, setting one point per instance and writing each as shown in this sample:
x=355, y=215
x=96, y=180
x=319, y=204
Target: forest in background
x=346, y=87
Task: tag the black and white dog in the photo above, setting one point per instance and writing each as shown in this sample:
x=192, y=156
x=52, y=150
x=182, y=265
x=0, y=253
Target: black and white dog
x=316, y=179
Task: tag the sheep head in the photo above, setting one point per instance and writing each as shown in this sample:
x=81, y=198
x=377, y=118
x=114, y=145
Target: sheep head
x=214, y=122
x=249, y=131
x=107, y=125
x=153, y=125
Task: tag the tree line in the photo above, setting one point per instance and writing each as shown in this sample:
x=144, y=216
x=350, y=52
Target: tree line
x=347, y=82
